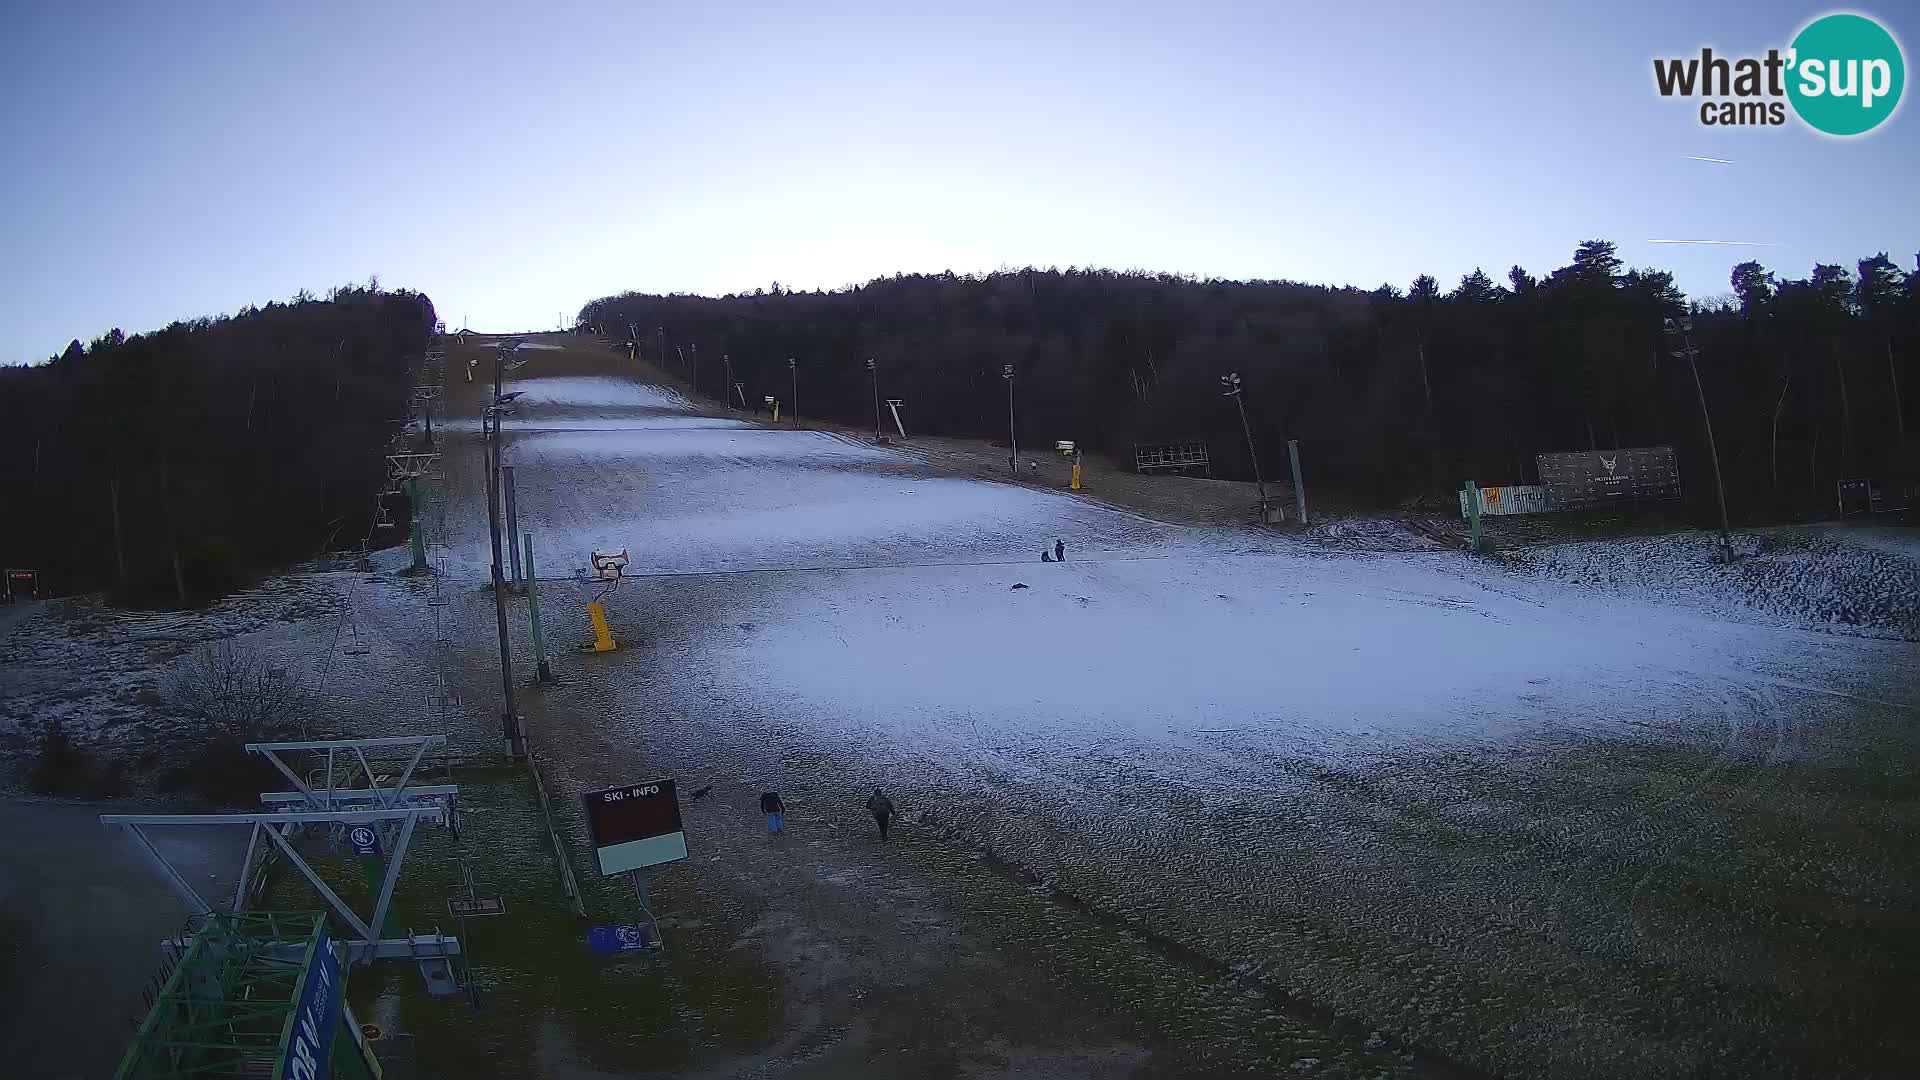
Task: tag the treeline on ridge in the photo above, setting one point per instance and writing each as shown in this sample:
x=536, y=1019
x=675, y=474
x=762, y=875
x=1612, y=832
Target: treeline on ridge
x=1392, y=393
x=166, y=464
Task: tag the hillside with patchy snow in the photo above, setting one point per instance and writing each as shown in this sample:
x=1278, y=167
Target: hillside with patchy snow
x=1817, y=578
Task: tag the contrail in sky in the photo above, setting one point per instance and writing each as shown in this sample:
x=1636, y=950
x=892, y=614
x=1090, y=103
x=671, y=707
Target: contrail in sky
x=1730, y=243
x=1715, y=160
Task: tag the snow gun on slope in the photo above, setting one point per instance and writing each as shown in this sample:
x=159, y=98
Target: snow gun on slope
x=608, y=568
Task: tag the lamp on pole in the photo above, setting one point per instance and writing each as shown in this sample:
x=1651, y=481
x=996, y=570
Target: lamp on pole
x=1231, y=380
x=873, y=372
x=1682, y=332
x=1013, y=442
x=726, y=389
x=662, y=331
x=510, y=718
x=793, y=404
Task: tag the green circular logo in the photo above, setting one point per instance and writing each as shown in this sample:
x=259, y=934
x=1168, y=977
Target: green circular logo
x=1846, y=74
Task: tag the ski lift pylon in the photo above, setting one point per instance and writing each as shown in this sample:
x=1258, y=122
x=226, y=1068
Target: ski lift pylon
x=410, y=466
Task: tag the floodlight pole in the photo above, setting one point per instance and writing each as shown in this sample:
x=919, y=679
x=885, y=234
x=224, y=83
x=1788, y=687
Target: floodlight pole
x=1013, y=441
x=1299, y=484
x=726, y=392
x=1684, y=332
x=1231, y=380
x=793, y=405
x=510, y=719
x=873, y=372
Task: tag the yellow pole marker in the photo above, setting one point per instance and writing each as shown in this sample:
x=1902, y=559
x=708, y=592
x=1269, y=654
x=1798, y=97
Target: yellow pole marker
x=1076, y=472
x=602, y=634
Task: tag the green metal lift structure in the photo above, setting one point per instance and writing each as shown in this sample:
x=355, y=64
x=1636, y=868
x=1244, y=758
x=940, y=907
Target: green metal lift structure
x=258, y=995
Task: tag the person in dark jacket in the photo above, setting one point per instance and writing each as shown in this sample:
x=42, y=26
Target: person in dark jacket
x=1059, y=551
x=775, y=810
x=881, y=808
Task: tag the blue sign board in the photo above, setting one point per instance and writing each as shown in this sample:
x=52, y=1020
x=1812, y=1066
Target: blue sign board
x=365, y=840
x=315, y=1017
x=607, y=940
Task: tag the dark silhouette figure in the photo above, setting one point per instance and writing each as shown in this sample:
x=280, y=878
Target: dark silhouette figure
x=1059, y=551
x=1044, y=557
x=775, y=810
x=881, y=808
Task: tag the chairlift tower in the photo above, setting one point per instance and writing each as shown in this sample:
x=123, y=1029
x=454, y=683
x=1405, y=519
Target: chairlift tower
x=407, y=466
x=281, y=828
x=246, y=995
x=423, y=398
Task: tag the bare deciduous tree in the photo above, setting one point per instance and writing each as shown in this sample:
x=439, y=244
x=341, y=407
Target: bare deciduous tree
x=236, y=691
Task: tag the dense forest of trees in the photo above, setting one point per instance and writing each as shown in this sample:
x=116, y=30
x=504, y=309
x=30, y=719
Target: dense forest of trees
x=165, y=464
x=1392, y=392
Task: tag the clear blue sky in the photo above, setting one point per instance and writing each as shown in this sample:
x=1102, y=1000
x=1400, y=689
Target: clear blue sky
x=167, y=160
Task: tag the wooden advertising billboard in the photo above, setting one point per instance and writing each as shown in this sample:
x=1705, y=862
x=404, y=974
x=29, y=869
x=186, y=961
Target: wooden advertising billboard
x=635, y=826
x=1589, y=478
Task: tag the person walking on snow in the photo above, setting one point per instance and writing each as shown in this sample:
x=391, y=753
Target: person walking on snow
x=775, y=810
x=881, y=808
x=1059, y=551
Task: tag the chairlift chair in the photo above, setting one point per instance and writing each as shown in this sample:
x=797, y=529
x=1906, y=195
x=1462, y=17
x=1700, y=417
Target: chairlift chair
x=354, y=646
x=436, y=965
x=442, y=695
